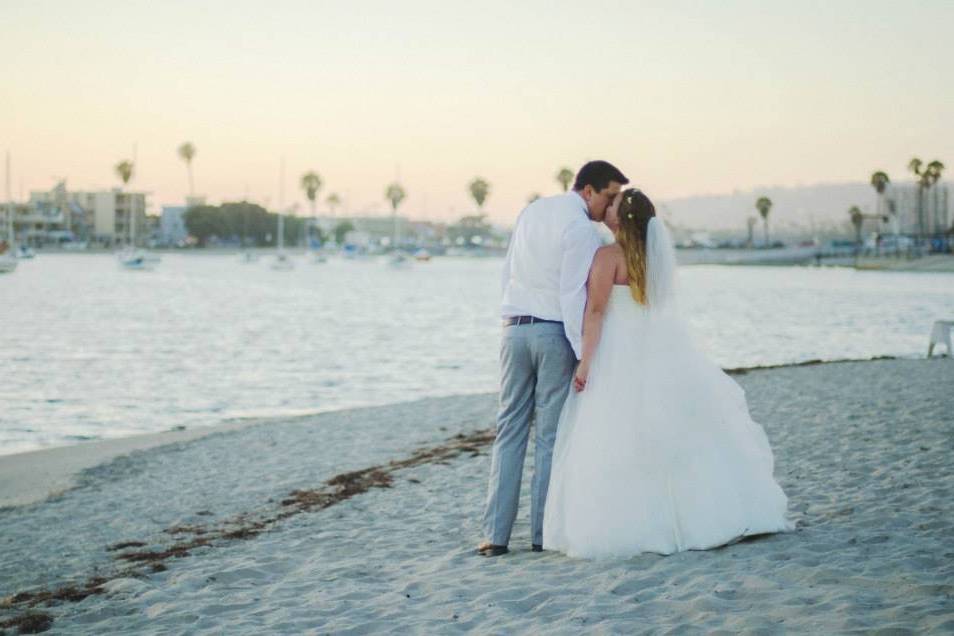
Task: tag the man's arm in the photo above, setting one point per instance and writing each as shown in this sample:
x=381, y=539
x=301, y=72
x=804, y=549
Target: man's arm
x=579, y=243
x=505, y=274
x=598, y=288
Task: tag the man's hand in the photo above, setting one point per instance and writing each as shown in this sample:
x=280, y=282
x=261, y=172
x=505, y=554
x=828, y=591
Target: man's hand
x=582, y=372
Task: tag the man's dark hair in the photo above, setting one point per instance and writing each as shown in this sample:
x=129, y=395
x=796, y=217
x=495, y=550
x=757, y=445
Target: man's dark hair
x=598, y=174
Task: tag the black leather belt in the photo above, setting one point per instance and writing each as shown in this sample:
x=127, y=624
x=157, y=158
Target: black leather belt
x=526, y=320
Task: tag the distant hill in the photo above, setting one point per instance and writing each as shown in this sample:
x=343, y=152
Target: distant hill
x=795, y=207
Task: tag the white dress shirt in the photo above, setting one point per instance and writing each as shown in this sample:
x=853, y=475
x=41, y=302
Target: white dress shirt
x=548, y=262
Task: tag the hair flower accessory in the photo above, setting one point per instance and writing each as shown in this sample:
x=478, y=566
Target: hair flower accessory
x=629, y=195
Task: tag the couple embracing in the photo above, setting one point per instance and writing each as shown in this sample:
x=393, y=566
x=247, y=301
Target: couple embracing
x=641, y=444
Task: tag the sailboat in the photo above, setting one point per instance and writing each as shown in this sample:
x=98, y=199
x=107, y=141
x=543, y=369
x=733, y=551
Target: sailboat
x=247, y=255
x=131, y=257
x=317, y=250
x=8, y=260
x=283, y=261
x=397, y=259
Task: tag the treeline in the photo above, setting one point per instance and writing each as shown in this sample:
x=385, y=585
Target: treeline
x=470, y=230
x=244, y=223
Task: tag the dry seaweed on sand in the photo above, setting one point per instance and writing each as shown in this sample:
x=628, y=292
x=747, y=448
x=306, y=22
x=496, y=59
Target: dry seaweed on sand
x=244, y=526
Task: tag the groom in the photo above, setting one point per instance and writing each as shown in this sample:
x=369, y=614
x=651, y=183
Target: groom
x=544, y=294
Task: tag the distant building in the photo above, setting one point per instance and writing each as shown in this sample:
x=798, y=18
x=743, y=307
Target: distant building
x=52, y=217
x=105, y=216
x=116, y=214
x=379, y=227
x=426, y=232
x=360, y=239
x=172, y=229
x=906, y=216
x=372, y=230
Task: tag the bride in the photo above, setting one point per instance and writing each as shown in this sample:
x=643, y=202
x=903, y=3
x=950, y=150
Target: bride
x=655, y=450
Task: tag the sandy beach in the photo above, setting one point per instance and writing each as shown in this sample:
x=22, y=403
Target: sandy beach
x=364, y=521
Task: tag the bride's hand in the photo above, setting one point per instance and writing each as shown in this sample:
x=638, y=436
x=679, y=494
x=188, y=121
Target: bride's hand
x=579, y=378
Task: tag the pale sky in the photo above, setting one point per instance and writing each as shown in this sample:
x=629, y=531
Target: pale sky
x=685, y=97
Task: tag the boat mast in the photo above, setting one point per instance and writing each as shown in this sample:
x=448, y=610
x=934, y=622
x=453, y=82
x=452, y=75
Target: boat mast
x=129, y=203
x=11, y=232
x=395, y=233
x=281, y=205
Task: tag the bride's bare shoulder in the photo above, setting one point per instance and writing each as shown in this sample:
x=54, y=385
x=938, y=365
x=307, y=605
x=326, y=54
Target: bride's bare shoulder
x=611, y=251
x=607, y=255
x=611, y=262
x=607, y=263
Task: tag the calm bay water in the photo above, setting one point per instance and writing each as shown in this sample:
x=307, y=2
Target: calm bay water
x=90, y=351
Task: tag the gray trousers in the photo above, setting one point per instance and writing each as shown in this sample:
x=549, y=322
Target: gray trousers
x=536, y=366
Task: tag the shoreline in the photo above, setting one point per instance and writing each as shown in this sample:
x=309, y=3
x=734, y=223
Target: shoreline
x=34, y=476
x=812, y=257
x=688, y=257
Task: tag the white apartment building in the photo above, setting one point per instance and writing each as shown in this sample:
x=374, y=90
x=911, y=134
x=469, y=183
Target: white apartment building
x=109, y=215
x=116, y=214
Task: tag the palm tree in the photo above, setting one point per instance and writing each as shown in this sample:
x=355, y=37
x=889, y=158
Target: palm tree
x=927, y=176
x=857, y=219
x=750, y=222
x=333, y=202
x=915, y=166
x=187, y=153
x=934, y=169
x=311, y=184
x=124, y=170
x=395, y=194
x=479, y=189
x=880, y=181
x=763, y=205
x=565, y=177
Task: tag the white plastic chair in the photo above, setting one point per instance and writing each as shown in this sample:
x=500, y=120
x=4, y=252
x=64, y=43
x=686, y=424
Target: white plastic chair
x=941, y=335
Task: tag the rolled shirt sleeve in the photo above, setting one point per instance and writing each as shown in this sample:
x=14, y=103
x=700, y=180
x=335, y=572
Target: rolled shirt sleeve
x=580, y=243
x=505, y=273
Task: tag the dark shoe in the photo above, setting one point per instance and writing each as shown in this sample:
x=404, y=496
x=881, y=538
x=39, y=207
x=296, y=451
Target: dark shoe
x=490, y=550
x=536, y=547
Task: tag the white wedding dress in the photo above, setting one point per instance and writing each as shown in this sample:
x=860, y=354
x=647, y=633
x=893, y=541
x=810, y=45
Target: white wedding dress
x=658, y=453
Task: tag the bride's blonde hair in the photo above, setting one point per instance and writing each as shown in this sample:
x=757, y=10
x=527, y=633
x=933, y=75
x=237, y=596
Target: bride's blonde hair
x=635, y=211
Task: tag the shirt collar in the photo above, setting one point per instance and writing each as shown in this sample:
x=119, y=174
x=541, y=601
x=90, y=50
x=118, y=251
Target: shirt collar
x=586, y=209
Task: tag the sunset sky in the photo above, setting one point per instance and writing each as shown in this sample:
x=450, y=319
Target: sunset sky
x=685, y=97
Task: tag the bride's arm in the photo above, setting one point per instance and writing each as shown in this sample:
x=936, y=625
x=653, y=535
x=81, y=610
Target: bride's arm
x=598, y=287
